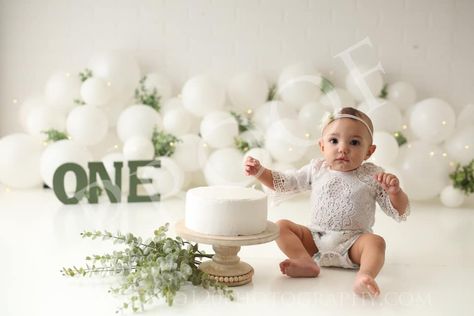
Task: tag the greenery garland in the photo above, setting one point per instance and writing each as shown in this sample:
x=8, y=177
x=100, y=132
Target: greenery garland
x=164, y=143
x=245, y=123
x=157, y=267
x=463, y=178
x=53, y=135
x=144, y=96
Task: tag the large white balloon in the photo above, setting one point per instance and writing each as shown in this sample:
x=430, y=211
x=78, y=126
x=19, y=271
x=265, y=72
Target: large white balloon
x=401, y=93
x=460, y=146
x=168, y=180
x=423, y=170
x=270, y=112
x=177, y=121
x=191, y=153
x=61, y=152
x=62, y=89
x=364, y=87
x=466, y=116
x=337, y=98
x=452, y=197
x=138, y=148
x=137, y=120
x=219, y=129
x=225, y=167
x=27, y=106
x=432, y=120
x=385, y=115
x=120, y=70
x=311, y=116
x=387, y=149
x=287, y=141
x=87, y=125
x=20, y=161
x=159, y=83
x=43, y=118
x=95, y=91
x=247, y=91
x=202, y=95
x=299, y=84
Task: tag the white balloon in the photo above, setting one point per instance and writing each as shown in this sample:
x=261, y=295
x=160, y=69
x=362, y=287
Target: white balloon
x=385, y=115
x=62, y=89
x=191, y=153
x=387, y=149
x=109, y=144
x=270, y=112
x=311, y=115
x=260, y=154
x=219, y=129
x=138, y=148
x=167, y=180
x=87, y=125
x=401, y=93
x=58, y=153
x=299, y=84
x=466, y=116
x=177, y=121
x=452, y=197
x=337, y=98
x=432, y=120
x=161, y=84
x=201, y=95
x=95, y=91
x=171, y=104
x=363, y=86
x=225, y=167
x=41, y=119
x=109, y=160
x=118, y=69
x=287, y=141
x=248, y=90
x=460, y=146
x=138, y=120
x=20, y=161
x=422, y=169
x=27, y=106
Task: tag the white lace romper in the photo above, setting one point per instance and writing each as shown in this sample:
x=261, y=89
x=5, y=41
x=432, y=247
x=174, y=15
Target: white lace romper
x=343, y=206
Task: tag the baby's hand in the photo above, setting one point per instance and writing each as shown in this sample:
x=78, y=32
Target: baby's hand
x=252, y=166
x=389, y=182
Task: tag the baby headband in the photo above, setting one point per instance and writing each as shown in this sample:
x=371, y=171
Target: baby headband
x=332, y=117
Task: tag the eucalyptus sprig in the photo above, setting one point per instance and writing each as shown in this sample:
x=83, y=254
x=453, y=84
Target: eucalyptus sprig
x=326, y=85
x=245, y=123
x=164, y=143
x=157, y=267
x=85, y=74
x=384, y=92
x=272, y=92
x=400, y=138
x=144, y=96
x=53, y=135
x=463, y=178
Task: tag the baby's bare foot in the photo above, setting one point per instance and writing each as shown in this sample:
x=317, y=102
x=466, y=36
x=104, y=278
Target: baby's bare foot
x=300, y=268
x=365, y=285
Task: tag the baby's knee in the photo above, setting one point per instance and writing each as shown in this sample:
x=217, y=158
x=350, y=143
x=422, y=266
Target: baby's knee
x=378, y=241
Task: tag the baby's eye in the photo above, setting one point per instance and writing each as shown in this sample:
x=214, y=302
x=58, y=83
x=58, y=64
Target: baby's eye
x=333, y=140
x=355, y=142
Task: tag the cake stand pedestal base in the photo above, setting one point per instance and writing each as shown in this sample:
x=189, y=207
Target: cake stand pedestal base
x=225, y=266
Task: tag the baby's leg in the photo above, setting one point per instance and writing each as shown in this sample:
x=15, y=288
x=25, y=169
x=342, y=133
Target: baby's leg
x=296, y=241
x=369, y=252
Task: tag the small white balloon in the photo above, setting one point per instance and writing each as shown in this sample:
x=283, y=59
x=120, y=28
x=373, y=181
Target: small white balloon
x=452, y=197
x=138, y=120
x=270, y=112
x=191, y=153
x=219, y=129
x=364, y=87
x=432, y=120
x=385, y=115
x=337, y=98
x=177, y=121
x=202, y=95
x=311, y=115
x=159, y=83
x=41, y=119
x=58, y=153
x=460, y=146
x=466, y=116
x=387, y=149
x=20, y=161
x=401, y=93
x=299, y=84
x=87, y=125
x=224, y=167
x=287, y=141
x=95, y=91
x=168, y=180
x=62, y=89
x=138, y=148
x=247, y=91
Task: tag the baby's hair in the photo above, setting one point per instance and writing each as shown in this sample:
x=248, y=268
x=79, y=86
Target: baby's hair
x=359, y=114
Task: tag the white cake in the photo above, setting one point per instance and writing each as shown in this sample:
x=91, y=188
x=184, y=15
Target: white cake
x=226, y=210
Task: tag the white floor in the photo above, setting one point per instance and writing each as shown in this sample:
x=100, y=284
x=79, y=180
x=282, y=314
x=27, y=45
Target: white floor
x=429, y=267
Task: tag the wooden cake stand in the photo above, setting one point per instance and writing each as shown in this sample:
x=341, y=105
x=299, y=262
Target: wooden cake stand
x=225, y=266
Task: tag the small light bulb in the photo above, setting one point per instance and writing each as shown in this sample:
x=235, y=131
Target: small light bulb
x=171, y=144
x=443, y=123
x=204, y=145
x=404, y=126
x=116, y=146
x=290, y=149
x=466, y=147
x=444, y=154
x=249, y=111
x=432, y=153
x=307, y=135
x=15, y=101
x=68, y=74
x=7, y=189
x=409, y=145
x=109, y=83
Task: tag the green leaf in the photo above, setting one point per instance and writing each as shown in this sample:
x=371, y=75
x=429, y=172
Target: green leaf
x=326, y=85
x=463, y=178
x=164, y=143
x=54, y=135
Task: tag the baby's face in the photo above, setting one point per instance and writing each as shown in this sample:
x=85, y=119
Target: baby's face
x=345, y=144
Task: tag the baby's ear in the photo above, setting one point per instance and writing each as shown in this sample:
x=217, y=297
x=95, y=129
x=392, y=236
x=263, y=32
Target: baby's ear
x=370, y=151
x=321, y=145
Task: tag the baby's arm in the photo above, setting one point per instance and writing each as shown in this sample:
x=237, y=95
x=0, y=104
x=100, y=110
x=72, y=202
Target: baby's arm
x=254, y=168
x=391, y=185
